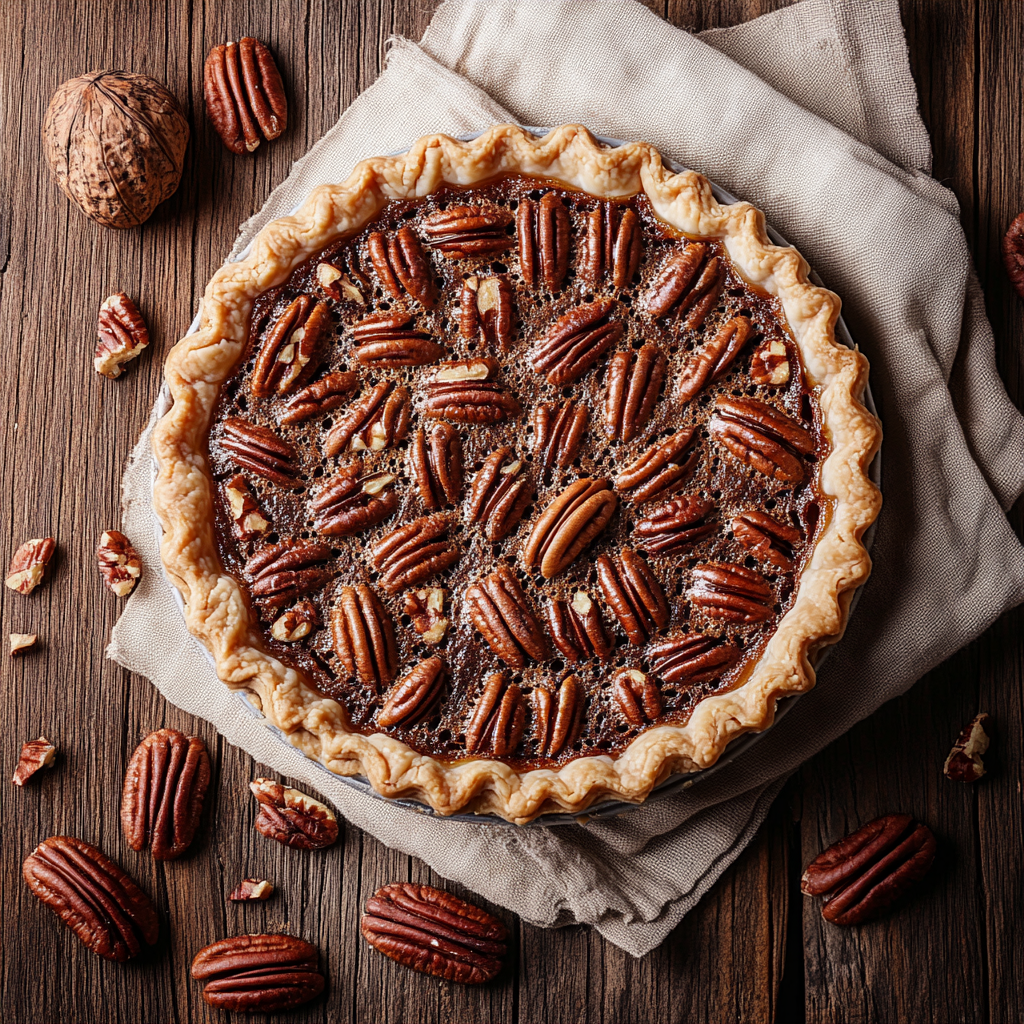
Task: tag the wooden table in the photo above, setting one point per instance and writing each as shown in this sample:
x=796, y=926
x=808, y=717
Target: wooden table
x=753, y=950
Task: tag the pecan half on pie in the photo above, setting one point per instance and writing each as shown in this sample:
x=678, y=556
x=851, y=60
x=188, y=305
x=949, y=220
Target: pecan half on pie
x=541, y=466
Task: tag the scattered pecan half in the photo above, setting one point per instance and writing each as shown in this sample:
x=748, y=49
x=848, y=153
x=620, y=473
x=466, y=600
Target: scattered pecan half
x=964, y=763
x=252, y=889
x=575, y=341
x=436, y=465
x=661, y=471
x=120, y=565
x=259, y=450
x=634, y=383
x=389, y=340
x=342, y=287
x=636, y=696
x=425, y=609
x=378, y=420
x=164, y=788
x=461, y=232
x=578, y=629
x=415, y=696
x=715, y=358
x=500, y=493
x=258, y=973
x=731, y=593
x=558, y=431
x=28, y=566
x=414, y=552
x=22, y=642
x=692, y=658
x=762, y=437
x=864, y=874
x=292, y=818
x=766, y=538
x=1013, y=253
x=633, y=593
x=687, y=284
x=296, y=623
x=285, y=571
x=486, y=311
x=505, y=618
x=352, y=501
x=568, y=525
x=498, y=719
x=123, y=335
x=557, y=716
x=433, y=932
x=613, y=247
x=465, y=392
x=770, y=363
x=401, y=264
x=293, y=348
x=675, y=526
x=244, y=94
x=543, y=231
x=321, y=396
x=35, y=754
x=247, y=521
x=363, y=637
x=98, y=901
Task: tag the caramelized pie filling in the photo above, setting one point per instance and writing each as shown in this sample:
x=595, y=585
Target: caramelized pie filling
x=640, y=536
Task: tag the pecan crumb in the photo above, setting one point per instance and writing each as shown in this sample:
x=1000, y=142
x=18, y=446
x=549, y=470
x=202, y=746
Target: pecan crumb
x=21, y=642
x=426, y=610
x=28, y=566
x=252, y=889
x=964, y=763
x=119, y=563
x=34, y=755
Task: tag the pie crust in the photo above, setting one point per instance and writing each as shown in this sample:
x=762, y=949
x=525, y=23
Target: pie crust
x=218, y=610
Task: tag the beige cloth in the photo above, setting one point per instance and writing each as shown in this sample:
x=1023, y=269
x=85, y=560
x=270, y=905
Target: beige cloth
x=840, y=167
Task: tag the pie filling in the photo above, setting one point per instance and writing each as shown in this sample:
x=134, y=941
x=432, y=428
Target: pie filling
x=519, y=473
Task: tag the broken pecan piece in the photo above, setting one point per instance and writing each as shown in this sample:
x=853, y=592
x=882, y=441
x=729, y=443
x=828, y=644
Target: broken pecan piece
x=864, y=874
x=247, y=521
x=633, y=593
x=321, y=396
x=558, y=432
x=715, y=358
x=692, y=658
x=244, y=95
x=1013, y=253
x=296, y=623
x=258, y=973
x=292, y=818
x=762, y=437
x=634, y=383
x=578, y=629
x=164, y=789
x=575, y=341
x=568, y=525
x=465, y=392
x=460, y=232
x=636, y=695
x=99, y=902
x=120, y=565
x=282, y=572
x=498, y=719
x=436, y=465
x=500, y=610
x=402, y=266
x=433, y=932
x=21, y=642
x=252, y=889
x=486, y=311
x=500, y=493
x=767, y=538
x=390, y=340
x=661, y=471
x=293, y=348
x=425, y=609
x=123, y=335
x=770, y=363
x=543, y=231
x=415, y=696
x=687, y=284
x=731, y=593
x=35, y=754
x=414, y=552
x=675, y=526
x=613, y=246
x=557, y=717
x=342, y=287
x=363, y=637
x=28, y=566
x=964, y=763
x=378, y=420
x=351, y=502
x=259, y=450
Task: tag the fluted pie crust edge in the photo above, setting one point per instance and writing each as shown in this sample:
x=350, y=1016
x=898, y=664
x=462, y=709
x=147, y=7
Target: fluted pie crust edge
x=217, y=612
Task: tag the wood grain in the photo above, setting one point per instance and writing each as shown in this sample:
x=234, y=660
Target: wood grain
x=753, y=950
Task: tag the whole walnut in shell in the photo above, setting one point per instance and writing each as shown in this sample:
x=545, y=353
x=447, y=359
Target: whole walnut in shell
x=115, y=142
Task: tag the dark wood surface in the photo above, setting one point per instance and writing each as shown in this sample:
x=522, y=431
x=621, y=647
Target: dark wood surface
x=753, y=950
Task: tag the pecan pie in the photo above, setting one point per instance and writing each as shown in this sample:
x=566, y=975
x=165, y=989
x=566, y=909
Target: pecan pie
x=529, y=474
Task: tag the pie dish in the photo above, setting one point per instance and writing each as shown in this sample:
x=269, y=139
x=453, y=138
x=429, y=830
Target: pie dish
x=516, y=474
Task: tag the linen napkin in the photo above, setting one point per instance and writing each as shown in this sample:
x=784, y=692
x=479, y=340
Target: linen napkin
x=811, y=114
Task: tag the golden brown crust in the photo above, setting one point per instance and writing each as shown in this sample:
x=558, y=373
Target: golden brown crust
x=217, y=611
